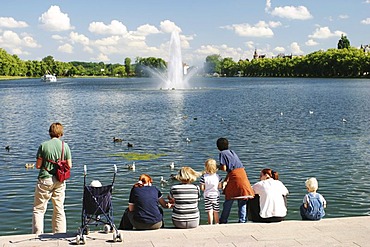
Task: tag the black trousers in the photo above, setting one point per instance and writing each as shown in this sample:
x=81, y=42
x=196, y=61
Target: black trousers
x=254, y=211
x=126, y=224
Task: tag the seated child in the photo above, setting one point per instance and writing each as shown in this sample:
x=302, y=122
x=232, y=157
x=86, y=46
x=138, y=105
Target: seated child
x=313, y=202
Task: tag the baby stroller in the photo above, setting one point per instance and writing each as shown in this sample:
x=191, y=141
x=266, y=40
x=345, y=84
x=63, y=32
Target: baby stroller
x=97, y=209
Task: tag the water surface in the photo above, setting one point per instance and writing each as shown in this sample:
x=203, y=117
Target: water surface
x=268, y=122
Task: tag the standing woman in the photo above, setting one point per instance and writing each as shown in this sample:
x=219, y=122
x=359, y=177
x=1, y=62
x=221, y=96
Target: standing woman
x=185, y=197
x=143, y=211
x=272, y=193
x=48, y=187
x=236, y=184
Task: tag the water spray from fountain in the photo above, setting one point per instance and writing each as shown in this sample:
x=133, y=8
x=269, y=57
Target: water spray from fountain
x=177, y=76
x=175, y=68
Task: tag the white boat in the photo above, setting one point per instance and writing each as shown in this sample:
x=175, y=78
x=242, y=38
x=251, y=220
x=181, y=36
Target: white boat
x=49, y=78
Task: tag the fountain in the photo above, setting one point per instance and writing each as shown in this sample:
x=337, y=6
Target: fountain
x=175, y=69
x=175, y=78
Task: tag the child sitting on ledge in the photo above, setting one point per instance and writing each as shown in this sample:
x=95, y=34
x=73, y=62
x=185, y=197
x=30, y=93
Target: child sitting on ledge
x=313, y=202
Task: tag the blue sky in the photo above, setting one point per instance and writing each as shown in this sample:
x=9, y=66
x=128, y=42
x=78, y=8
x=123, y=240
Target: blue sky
x=111, y=30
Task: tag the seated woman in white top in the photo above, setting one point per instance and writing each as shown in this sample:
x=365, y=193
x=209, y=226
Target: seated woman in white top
x=271, y=205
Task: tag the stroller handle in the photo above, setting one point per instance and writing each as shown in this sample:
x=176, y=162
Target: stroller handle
x=85, y=170
x=115, y=168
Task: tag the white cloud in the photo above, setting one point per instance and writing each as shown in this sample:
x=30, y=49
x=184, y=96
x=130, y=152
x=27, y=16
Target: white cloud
x=250, y=44
x=10, y=22
x=101, y=58
x=366, y=21
x=114, y=28
x=28, y=41
x=279, y=49
x=223, y=50
x=185, y=41
x=79, y=38
x=343, y=16
x=325, y=33
x=295, y=48
x=12, y=40
x=55, y=20
x=168, y=26
x=57, y=37
x=208, y=50
x=19, y=51
x=292, y=12
x=311, y=42
x=129, y=45
x=66, y=48
x=145, y=30
x=268, y=5
x=88, y=49
x=261, y=29
x=274, y=24
x=109, y=41
x=132, y=43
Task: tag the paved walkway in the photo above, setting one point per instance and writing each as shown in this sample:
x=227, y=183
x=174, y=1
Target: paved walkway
x=351, y=231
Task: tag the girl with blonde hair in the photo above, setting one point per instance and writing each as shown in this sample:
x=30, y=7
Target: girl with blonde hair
x=210, y=183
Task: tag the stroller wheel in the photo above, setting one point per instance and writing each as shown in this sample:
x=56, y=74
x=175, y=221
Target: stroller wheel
x=119, y=236
x=107, y=228
x=78, y=239
x=83, y=239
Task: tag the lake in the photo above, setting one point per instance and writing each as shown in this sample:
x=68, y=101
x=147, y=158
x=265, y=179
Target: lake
x=294, y=126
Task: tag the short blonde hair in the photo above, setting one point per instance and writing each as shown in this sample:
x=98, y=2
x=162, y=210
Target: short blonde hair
x=210, y=166
x=311, y=184
x=187, y=175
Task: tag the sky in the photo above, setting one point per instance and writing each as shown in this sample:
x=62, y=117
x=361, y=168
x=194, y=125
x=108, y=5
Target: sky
x=111, y=30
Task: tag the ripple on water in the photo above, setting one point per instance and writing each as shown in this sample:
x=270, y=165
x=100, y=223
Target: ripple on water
x=297, y=144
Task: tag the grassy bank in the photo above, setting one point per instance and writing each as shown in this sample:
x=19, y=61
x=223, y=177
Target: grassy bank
x=12, y=77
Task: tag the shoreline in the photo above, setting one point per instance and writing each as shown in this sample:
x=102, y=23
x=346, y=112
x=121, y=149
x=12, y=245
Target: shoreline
x=10, y=78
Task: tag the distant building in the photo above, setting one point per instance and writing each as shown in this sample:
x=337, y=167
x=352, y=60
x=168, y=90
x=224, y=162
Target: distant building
x=185, y=68
x=365, y=48
x=282, y=55
x=256, y=56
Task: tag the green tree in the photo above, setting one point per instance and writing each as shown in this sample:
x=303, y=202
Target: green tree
x=128, y=66
x=228, y=67
x=213, y=64
x=49, y=65
x=343, y=42
x=120, y=71
x=142, y=65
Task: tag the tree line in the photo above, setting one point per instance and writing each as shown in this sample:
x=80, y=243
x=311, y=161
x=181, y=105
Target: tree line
x=348, y=62
x=343, y=61
x=12, y=65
